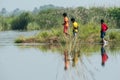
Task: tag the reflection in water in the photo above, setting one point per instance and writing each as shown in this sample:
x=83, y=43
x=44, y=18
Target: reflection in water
x=66, y=59
x=73, y=58
x=31, y=61
x=104, y=55
x=74, y=66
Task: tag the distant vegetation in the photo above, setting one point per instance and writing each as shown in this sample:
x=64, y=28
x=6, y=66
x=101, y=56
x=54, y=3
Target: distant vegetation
x=49, y=16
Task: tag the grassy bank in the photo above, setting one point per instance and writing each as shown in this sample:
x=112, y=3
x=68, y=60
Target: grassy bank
x=86, y=32
x=89, y=33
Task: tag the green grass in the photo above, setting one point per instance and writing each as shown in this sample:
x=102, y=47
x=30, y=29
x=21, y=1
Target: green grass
x=114, y=35
x=20, y=39
x=88, y=33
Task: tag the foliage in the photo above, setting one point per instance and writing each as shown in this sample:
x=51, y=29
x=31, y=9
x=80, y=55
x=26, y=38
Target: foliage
x=20, y=39
x=114, y=35
x=21, y=22
x=52, y=18
x=3, y=24
x=114, y=14
x=33, y=26
x=49, y=18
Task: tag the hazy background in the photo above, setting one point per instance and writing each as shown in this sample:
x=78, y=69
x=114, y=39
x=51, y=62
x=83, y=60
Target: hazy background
x=31, y=4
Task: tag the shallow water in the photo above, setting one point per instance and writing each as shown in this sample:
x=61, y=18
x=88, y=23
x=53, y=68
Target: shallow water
x=21, y=62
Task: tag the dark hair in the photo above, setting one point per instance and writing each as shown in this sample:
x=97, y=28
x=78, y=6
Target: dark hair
x=72, y=19
x=102, y=21
x=64, y=14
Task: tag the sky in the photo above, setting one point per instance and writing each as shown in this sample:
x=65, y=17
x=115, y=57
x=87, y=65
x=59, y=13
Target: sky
x=10, y=5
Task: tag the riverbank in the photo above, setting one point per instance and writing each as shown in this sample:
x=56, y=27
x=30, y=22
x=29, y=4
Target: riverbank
x=87, y=34
x=56, y=35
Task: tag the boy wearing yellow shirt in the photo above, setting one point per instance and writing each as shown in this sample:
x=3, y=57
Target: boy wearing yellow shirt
x=75, y=26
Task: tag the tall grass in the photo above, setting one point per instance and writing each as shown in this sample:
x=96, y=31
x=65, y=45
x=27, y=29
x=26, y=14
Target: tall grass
x=114, y=35
x=88, y=33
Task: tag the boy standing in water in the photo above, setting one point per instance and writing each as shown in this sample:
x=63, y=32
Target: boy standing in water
x=75, y=27
x=103, y=31
x=66, y=23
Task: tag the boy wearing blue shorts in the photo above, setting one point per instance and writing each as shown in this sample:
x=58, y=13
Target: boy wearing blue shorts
x=103, y=30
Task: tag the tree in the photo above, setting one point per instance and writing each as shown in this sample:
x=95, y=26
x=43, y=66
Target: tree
x=21, y=22
x=16, y=11
x=3, y=11
x=35, y=10
x=114, y=14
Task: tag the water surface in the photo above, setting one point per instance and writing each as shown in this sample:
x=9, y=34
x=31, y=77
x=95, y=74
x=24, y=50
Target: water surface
x=20, y=62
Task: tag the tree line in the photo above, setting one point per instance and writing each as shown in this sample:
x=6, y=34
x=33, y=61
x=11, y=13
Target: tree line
x=52, y=17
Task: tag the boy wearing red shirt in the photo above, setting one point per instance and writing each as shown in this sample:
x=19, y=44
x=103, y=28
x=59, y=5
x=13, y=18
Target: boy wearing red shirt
x=103, y=30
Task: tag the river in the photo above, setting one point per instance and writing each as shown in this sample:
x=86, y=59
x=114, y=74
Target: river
x=24, y=62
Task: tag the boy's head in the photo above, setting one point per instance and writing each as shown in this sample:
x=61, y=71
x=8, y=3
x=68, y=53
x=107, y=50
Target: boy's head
x=64, y=14
x=102, y=21
x=73, y=19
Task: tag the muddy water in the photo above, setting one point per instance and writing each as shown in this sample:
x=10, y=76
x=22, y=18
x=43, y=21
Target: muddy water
x=21, y=62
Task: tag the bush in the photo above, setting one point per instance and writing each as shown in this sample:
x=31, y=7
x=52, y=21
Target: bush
x=21, y=22
x=114, y=35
